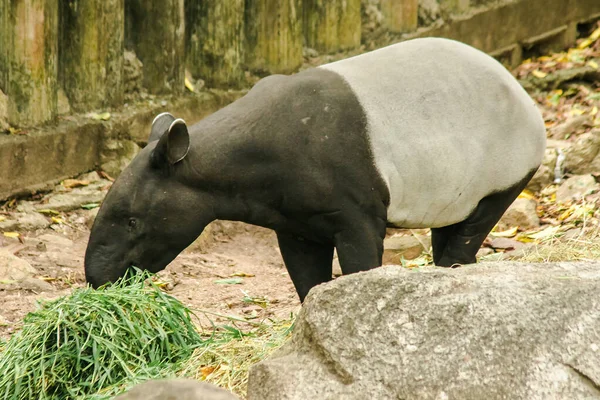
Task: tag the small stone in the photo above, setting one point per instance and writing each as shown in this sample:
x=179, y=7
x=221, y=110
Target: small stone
x=501, y=243
x=521, y=213
x=307, y=52
x=576, y=187
x=336, y=269
x=484, y=252
x=13, y=268
x=34, y=284
x=180, y=389
x=429, y=12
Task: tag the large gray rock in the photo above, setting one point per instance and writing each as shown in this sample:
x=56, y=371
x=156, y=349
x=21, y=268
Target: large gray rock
x=176, y=389
x=486, y=331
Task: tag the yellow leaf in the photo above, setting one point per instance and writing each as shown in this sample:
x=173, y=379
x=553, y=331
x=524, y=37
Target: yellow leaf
x=105, y=116
x=566, y=214
x=2, y=218
x=526, y=194
x=71, y=183
x=539, y=74
x=544, y=58
x=242, y=274
x=593, y=64
x=585, y=44
x=577, y=111
x=14, y=235
x=595, y=35
x=57, y=220
x=189, y=85
x=206, y=371
x=594, y=110
x=507, y=233
x=48, y=211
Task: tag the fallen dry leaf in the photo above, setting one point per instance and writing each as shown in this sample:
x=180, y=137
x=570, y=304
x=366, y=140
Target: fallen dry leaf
x=242, y=274
x=72, y=183
x=507, y=233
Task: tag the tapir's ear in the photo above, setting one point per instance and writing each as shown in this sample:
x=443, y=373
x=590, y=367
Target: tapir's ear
x=160, y=125
x=174, y=145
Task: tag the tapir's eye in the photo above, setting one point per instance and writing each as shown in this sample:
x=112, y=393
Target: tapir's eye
x=132, y=223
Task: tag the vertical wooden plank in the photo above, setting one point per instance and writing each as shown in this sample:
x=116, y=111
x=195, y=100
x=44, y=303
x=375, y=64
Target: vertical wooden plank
x=29, y=38
x=332, y=25
x=400, y=15
x=273, y=31
x=215, y=41
x=155, y=30
x=91, y=52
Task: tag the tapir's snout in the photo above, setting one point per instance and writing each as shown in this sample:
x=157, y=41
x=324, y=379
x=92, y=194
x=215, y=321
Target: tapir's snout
x=101, y=265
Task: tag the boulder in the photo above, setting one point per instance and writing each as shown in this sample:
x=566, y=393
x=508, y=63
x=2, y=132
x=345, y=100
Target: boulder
x=491, y=330
x=580, y=156
x=521, y=213
x=576, y=187
x=180, y=389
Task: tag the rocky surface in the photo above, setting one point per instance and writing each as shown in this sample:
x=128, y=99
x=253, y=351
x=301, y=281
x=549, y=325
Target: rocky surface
x=521, y=213
x=180, y=389
x=496, y=330
x=576, y=187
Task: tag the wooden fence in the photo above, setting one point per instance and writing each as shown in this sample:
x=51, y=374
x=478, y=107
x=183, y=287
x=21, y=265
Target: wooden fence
x=78, y=45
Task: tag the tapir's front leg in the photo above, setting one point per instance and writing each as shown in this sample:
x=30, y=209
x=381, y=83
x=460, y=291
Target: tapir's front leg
x=307, y=262
x=360, y=245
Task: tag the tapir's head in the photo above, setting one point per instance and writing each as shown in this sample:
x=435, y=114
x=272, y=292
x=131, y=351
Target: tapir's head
x=151, y=213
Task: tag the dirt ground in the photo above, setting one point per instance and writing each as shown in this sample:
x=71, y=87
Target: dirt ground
x=230, y=250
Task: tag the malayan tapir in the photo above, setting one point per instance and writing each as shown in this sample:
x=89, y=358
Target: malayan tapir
x=425, y=133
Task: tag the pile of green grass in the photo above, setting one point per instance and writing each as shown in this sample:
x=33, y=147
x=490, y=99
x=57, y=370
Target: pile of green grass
x=97, y=341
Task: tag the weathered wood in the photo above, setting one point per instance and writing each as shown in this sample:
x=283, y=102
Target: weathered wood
x=91, y=52
x=331, y=25
x=273, y=31
x=155, y=30
x=215, y=41
x=400, y=15
x=28, y=59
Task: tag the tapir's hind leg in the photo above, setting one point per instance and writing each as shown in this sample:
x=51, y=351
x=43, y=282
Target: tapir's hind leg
x=307, y=262
x=463, y=240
